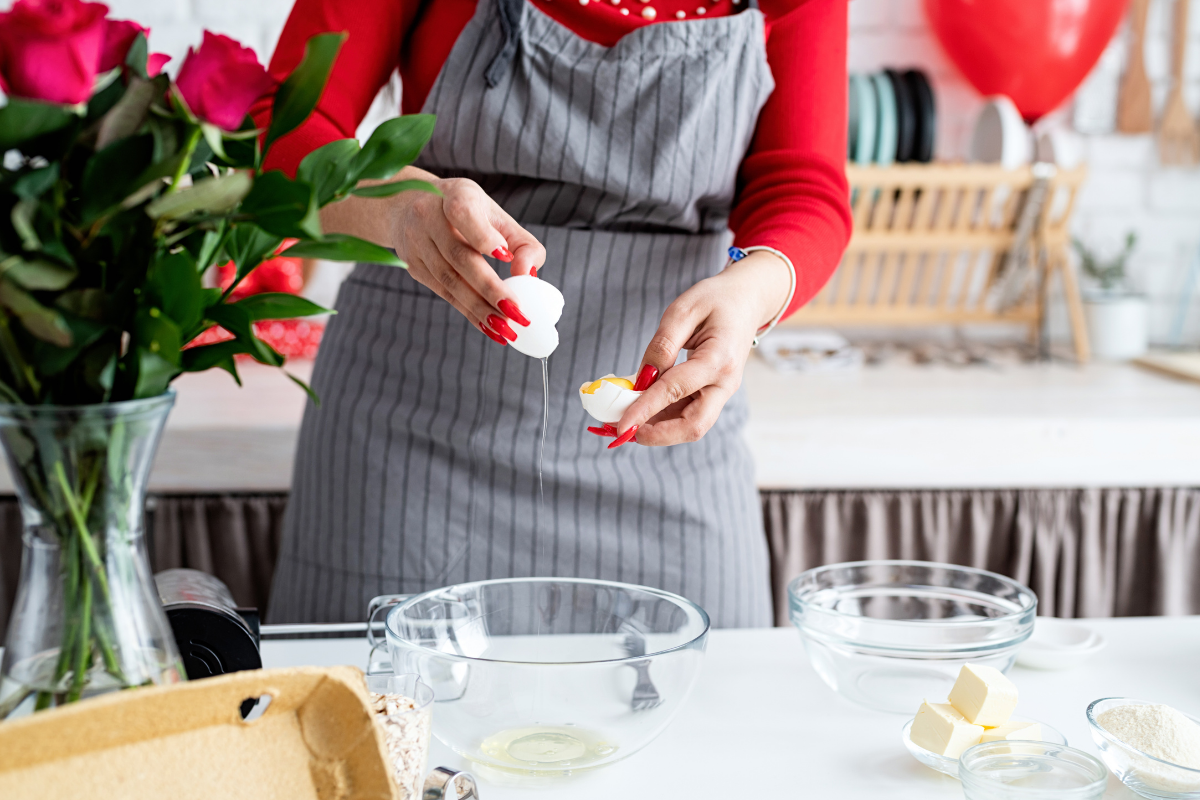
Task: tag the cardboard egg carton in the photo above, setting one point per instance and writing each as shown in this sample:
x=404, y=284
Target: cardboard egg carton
x=316, y=740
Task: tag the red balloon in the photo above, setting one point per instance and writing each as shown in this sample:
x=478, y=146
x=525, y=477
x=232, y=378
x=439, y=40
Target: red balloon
x=1035, y=51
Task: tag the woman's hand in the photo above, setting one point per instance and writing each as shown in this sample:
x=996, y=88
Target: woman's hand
x=716, y=321
x=441, y=238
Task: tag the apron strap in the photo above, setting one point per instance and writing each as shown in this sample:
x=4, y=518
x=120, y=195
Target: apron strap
x=510, y=24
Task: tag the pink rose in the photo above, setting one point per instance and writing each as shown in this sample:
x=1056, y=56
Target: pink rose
x=118, y=36
x=51, y=49
x=220, y=81
x=155, y=62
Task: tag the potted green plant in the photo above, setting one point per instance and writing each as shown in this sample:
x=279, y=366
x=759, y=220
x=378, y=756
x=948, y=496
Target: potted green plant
x=120, y=189
x=1118, y=318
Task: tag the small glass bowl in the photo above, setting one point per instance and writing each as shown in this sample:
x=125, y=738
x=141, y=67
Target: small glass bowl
x=1040, y=771
x=887, y=634
x=1142, y=773
x=949, y=766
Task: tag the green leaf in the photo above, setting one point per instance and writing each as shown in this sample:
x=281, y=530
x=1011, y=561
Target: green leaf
x=174, y=279
x=138, y=54
x=212, y=135
x=212, y=195
x=124, y=118
x=237, y=321
x=155, y=332
x=394, y=145
x=297, y=96
x=87, y=303
x=389, y=189
x=328, y=169
x=341, y=247
x=53, y=360
x=279, y=305
x=111, y=174
x=154, y=374
x=205, y=357
x=282, y=206
x=23, y=120
x=37, y=274
x=22, y=222
x=307, y=389
x=33, y=185
x=44, y=323
x=248, y=245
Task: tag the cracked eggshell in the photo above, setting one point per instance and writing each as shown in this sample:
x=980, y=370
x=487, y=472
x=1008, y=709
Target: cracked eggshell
x=542, y=304
x=609, y=401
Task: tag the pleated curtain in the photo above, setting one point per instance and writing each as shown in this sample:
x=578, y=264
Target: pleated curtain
x=1085, y=552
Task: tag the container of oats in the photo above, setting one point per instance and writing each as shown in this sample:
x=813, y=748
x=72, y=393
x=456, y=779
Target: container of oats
x=403, y=708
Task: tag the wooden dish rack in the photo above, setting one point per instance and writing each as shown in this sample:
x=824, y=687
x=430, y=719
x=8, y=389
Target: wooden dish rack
x=932, y=243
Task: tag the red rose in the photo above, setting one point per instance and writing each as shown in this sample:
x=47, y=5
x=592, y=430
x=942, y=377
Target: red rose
x=51, y=49
x=118, y=36
x=220, y=81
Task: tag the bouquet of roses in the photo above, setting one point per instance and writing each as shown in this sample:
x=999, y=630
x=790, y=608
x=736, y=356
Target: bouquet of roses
x=120, y=188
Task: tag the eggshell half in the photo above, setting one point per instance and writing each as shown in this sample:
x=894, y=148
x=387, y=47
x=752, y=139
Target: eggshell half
x=542, y=304
x=610, y=401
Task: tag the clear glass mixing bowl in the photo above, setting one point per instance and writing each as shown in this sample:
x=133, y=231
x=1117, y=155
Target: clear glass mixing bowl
x=547, y=676
x=889, y=634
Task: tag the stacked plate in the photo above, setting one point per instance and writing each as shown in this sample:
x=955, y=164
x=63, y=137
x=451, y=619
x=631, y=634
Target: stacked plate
x=893, y=117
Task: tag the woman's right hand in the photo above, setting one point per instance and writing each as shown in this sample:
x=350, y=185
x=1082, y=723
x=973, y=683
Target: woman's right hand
x=441, y=238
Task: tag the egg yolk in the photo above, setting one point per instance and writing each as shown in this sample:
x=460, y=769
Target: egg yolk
x=594, y=385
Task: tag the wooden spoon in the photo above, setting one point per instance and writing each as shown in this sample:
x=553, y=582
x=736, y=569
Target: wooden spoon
x=1178, y=139
x=1134, y=114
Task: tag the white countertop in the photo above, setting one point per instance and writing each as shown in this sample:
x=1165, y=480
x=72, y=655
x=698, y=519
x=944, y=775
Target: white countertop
x=879, y=427
x=761, y=723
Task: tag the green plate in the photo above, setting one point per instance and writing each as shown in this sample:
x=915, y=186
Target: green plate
x=885, y=105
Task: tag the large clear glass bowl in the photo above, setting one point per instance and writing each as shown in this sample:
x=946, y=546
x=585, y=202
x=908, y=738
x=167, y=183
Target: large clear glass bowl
x=1141, y=772
x=549, y=676
x=890, y=634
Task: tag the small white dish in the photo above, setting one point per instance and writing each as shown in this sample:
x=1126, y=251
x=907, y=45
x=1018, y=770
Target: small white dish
x=1059, y=644
x=949, y=766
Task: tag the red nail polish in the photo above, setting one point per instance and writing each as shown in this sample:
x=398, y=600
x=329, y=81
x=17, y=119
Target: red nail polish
x=610, y=429
x=602, y=431
x=512, y=312
x=502, y=254
x=501, y=327
x=624, y=437
x=533, y=272
x=647, y=376
x=493, y=336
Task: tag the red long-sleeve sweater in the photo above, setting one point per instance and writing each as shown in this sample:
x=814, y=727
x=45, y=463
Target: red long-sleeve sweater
x=792, y=192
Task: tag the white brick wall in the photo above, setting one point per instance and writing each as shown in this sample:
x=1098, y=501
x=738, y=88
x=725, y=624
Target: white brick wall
x=1128, y=188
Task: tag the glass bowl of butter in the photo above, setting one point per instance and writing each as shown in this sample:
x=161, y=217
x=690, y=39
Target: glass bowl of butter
x=888, y=634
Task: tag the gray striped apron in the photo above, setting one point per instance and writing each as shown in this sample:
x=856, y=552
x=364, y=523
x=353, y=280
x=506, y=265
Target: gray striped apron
x=419, y=469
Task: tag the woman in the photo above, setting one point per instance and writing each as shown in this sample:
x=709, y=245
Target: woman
x=608, y=147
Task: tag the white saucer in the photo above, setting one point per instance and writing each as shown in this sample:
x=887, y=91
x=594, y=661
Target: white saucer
x=1059, y=644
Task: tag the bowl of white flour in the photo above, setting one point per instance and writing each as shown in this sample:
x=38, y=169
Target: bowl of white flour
x=1154, y=749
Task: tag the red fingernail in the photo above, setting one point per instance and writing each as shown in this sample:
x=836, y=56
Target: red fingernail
x=533, y=272
x=647, y=376
x=624, y=437
x=501, y=327
x=602, y=431
x=502, y=254
x=610, y=429
x=493, y=336
x=512, y=312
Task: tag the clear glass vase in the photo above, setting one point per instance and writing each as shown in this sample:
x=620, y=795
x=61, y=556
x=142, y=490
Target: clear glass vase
x=87, y=619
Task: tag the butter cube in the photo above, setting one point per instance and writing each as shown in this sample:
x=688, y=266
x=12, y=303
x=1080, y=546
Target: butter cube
x=1014, y=731
x=942, y=730
x=983, y=695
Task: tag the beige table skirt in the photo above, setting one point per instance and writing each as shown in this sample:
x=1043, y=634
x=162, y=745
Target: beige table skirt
x=1086, y=552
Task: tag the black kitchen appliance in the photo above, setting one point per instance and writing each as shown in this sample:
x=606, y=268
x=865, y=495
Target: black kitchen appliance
x=214, y=635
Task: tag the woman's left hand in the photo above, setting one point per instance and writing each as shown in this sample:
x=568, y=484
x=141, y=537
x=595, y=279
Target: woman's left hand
x=716, y=321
